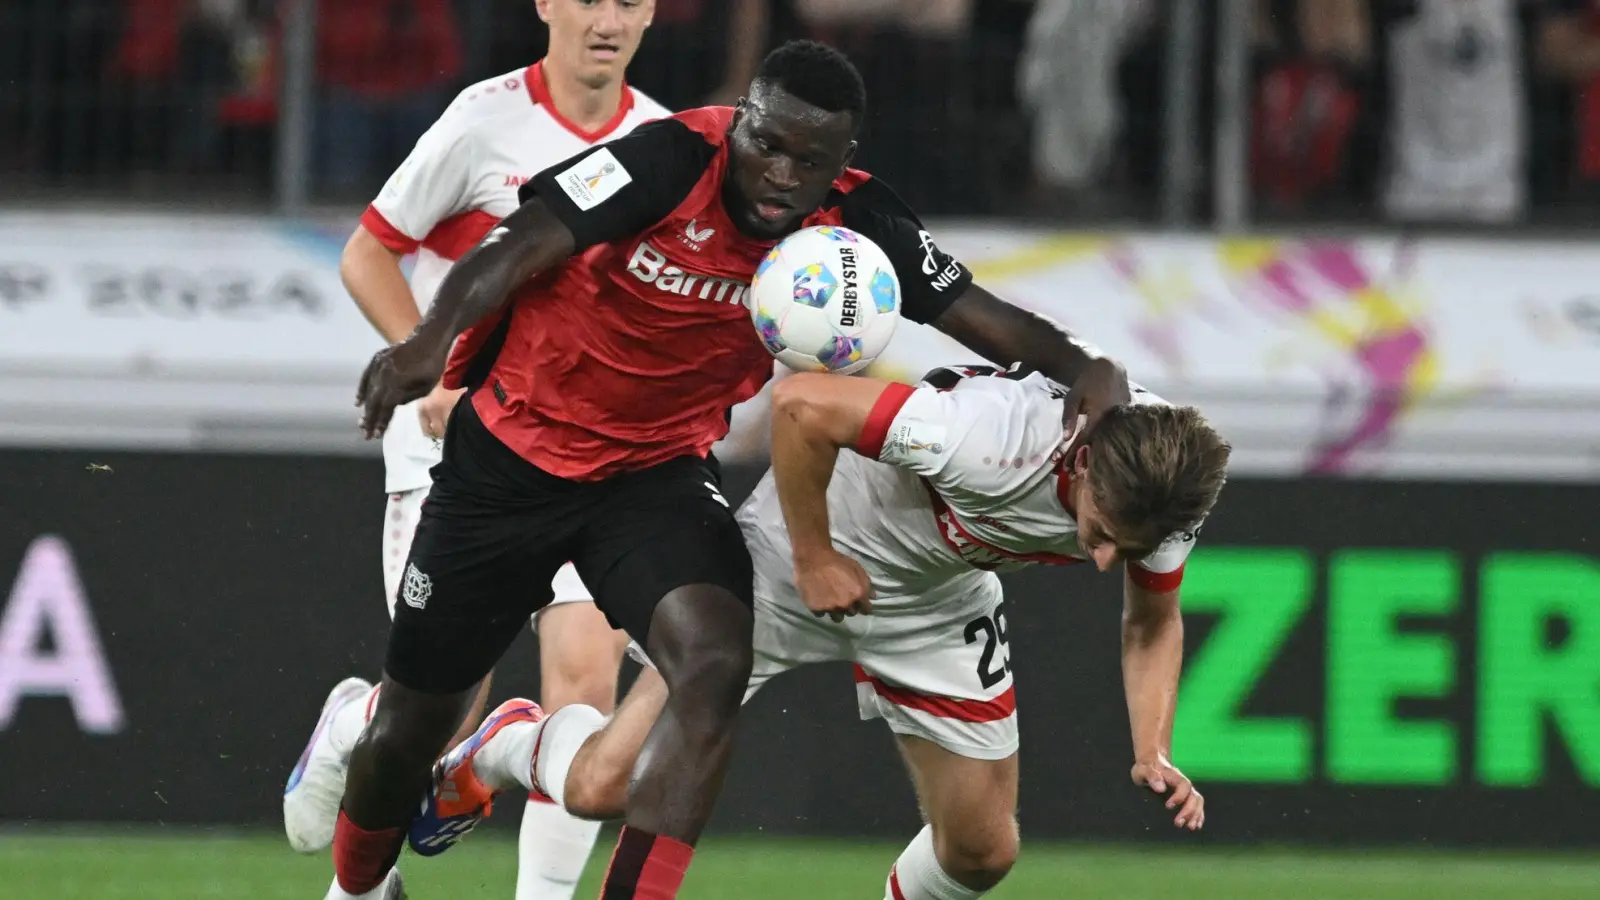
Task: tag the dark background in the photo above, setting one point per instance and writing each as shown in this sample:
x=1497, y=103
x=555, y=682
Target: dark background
x=231, y=591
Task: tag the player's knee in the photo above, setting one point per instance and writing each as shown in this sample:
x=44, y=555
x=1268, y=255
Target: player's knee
x=702, y=648
x=587, y=677
x=596, y=794
x=590, y=688
x=978, y=858
x=715, y=671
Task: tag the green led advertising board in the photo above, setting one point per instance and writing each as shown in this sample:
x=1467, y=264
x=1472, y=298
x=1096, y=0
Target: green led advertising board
x=1434, y=672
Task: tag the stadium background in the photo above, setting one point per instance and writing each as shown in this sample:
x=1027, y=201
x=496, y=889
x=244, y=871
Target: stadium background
x=1393, y=676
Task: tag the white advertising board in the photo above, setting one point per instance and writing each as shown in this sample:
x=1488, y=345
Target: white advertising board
x=1371, y=356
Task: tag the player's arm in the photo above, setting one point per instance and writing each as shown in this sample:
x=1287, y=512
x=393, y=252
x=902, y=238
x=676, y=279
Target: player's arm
x=529, y=241
x=428, y=187
x=936, y=289
x=1009, y=334
x=813, y=418
x=371, y=273
x=1152, y=660
x=603, y=194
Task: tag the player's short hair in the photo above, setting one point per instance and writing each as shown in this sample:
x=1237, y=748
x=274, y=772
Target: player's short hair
x=1155, y=470
x=817, y=74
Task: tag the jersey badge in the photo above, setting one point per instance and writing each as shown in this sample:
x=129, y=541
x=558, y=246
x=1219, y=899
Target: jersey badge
x=594, y=179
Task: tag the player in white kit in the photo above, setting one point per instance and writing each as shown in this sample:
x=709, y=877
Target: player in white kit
x=457, y=183
x=886, y=557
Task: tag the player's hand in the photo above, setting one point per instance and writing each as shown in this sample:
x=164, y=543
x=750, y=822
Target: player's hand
x=1161, y=776
x=834, y=585
x=1098, y=388
x=434, y=410
x=397, y=374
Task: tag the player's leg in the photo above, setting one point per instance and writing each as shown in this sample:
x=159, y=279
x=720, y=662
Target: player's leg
x=971, y=839
x=579, y=655
x=669, y=565
x=578, y=759
x=586, y=768
x=476, y=571
x=592, y=778
x=942, y=683
x=315, y=786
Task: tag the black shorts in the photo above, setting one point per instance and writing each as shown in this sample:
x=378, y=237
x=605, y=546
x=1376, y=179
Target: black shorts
x=495, y=528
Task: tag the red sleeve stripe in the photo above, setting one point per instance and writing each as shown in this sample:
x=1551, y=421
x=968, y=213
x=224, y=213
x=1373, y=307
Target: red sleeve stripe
x=976, y=711
x=1158, y=582
x=453, y=237
x=876, y=429
x=387, y=235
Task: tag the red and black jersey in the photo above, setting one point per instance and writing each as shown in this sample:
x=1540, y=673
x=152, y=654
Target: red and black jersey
x=633, y=350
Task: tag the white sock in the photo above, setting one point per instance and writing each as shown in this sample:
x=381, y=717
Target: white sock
x=552, y=850
x=565, y=733
x=506, y=760
x=349, y=721
x=381, y=892
x=917, y=874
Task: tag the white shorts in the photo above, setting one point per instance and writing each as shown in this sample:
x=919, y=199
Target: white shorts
x=400, y=525
x=933, y=669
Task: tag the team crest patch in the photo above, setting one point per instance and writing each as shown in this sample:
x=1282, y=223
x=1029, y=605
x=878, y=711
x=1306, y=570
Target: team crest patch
x=594, y=179
x=417, y=587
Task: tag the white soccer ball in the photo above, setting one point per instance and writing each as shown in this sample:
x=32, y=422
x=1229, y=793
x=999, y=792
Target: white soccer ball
x=826, y=299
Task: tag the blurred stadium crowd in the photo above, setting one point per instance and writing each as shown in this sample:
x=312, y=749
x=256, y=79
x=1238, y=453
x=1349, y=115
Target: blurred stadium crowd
x=1483, y=111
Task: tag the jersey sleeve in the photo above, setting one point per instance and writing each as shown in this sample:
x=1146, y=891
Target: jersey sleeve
x=622, y=187
x=1162, y=570
x=930, y=279
x=430, y=186
x=957, y=439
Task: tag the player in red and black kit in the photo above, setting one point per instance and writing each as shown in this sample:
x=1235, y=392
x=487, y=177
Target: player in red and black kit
x=596, y=394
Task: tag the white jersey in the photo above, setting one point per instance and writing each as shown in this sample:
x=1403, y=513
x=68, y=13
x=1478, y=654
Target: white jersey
x=1456, y=137
x=950, y=485
x=457, y=183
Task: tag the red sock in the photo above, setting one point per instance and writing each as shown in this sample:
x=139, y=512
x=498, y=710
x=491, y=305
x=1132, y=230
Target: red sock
x=646, y=867
x=362, y=858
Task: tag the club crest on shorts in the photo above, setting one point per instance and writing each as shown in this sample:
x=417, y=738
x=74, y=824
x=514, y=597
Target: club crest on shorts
x=417, y=587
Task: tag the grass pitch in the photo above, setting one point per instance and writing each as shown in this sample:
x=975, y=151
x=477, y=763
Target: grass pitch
x=154, y=864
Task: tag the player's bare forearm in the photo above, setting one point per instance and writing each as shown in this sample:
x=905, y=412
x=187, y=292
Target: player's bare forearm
x=747, y=39
x=527, y=242
x=1008, y=334
x=1152, y=660
x=371, y=273
x=813, y=418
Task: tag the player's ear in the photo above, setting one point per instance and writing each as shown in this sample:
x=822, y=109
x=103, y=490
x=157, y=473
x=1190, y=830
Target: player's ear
x=850, y=153
x=1080, y=462
x=543, y=8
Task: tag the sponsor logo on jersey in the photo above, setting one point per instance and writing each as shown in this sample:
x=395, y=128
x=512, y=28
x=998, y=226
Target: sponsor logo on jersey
x=930, y=264
x=649, y=265
x=594, y=179
x=516, y=181
x=696, y=238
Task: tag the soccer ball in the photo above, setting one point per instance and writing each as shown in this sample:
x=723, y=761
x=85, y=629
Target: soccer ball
x=825, y=299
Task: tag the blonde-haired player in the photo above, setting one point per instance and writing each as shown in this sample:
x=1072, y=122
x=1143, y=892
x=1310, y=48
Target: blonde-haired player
x=459, y=180
x=974, y=471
